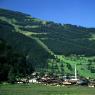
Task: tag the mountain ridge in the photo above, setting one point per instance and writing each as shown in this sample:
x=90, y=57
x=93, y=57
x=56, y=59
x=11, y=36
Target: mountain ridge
x=48, y=42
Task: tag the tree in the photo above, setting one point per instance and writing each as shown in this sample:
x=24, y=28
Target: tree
x=11, y=76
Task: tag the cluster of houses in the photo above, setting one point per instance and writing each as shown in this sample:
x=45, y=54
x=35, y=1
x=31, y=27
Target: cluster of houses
x=55, y=80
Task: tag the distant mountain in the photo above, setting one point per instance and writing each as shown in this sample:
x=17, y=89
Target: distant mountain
x=43, y=41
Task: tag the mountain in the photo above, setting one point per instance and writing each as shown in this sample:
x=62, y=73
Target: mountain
x=45, y=43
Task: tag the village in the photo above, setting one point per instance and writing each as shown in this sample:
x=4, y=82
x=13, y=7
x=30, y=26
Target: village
x=55, y=80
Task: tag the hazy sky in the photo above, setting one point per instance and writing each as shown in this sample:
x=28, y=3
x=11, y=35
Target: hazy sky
x=79, y=12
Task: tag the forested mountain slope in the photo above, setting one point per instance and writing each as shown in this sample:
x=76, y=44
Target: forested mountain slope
x=41, y=40
x=31, y=47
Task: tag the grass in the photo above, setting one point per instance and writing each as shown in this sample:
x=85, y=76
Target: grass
x=39, y=89
x=81, y=63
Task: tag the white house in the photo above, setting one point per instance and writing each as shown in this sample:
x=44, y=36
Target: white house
x=34, y=80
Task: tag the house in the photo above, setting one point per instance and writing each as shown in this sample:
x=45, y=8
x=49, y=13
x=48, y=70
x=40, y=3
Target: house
x=33, y=80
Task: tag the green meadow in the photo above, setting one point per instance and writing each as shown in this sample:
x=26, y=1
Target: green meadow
x=40, y=89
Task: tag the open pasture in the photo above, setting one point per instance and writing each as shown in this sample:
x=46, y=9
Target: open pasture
x=40, y=89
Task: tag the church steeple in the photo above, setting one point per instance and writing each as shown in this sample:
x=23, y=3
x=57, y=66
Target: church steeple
x=75, y=72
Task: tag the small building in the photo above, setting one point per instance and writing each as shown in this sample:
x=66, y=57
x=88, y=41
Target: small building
x=33, y=80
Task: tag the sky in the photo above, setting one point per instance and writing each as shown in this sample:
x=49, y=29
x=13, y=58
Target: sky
x=76, y=12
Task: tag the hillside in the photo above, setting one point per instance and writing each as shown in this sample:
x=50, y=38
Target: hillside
x=39, y=39
x=13, y=64
x=31, y=47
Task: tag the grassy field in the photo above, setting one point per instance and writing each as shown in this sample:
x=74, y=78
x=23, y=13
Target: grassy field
x=39, y=89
